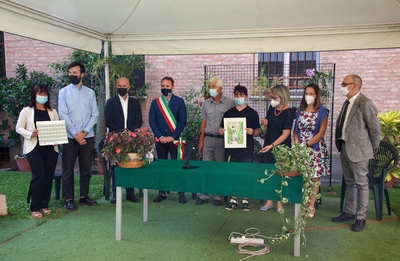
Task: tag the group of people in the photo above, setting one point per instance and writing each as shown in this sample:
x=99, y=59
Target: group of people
x=357, y=136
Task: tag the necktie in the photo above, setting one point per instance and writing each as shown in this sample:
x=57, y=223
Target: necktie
x=342, y=118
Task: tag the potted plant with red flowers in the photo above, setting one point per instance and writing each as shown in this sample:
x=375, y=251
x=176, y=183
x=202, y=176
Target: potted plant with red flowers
x=127, y=148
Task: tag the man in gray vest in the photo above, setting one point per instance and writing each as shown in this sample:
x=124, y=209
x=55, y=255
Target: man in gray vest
x=211, y=143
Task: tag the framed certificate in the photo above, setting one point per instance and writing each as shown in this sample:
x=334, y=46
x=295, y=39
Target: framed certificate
x=235, y=134
x=52, y=132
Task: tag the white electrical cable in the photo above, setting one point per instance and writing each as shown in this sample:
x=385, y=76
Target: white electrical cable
x=265, y=248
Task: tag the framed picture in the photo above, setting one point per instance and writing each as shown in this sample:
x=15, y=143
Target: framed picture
x=235, y=134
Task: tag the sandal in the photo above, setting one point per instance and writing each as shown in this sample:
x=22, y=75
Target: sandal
x=311, y=215
x=36, y=215
x=46, y=211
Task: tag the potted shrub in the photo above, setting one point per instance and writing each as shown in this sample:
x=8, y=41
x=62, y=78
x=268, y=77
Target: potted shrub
x=127, y=148
x=297, y=158
x=390, y=127
x=291, y=161
x=22, y=163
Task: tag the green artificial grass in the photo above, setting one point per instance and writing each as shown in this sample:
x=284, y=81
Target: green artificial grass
x=189, y=232
x=15, y=186
x=181, y=231
x=394, y=197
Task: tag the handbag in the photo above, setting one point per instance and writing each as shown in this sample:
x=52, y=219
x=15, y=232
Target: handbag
x=3, y=205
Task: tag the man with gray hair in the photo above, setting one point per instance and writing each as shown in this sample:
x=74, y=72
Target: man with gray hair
x=211, y=143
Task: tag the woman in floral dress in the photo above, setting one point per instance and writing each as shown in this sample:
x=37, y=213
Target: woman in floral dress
x=310, y=127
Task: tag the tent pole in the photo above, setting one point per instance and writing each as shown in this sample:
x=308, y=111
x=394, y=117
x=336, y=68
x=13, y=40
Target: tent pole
x=107, y=71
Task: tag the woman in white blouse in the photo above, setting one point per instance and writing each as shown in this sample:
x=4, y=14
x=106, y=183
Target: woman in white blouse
x=43, y=159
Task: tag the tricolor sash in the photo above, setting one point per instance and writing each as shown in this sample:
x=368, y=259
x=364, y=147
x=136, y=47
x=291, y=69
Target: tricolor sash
x=171, y=121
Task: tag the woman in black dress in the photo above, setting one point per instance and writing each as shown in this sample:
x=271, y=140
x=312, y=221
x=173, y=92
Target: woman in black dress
x=279, y=123
x=42, y=158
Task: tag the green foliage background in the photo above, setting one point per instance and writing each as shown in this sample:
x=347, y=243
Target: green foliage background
x=193, y=104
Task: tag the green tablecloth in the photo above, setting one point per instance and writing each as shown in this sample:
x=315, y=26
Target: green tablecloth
x=219, y=178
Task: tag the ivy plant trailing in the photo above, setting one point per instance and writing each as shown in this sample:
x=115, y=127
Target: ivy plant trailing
x=287, y=159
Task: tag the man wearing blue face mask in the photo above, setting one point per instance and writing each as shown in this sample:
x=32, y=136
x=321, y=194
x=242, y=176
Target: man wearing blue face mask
x=77, y=106
x=167, y=118
x=241, y=110
x=211, y=143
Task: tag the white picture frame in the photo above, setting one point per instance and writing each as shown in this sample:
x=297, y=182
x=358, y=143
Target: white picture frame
x=235, y=135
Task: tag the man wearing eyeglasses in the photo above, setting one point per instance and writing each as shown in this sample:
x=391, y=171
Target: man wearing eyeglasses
x=357, y=138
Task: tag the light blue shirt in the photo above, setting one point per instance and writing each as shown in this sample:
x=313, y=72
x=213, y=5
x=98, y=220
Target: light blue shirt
x=78, y=108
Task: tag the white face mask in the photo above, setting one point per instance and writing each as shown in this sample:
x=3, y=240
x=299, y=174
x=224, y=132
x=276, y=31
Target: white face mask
x=309, y=99
x=344, y=91
x=274, y=103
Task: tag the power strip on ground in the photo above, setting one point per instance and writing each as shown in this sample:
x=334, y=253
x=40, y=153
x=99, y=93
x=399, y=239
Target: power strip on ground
x=243, y=239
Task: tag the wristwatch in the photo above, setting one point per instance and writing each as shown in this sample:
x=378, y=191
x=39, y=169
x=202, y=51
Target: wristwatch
x=86, y=133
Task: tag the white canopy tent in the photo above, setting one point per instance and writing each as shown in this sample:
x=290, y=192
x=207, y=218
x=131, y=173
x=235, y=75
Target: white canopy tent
x=205, y=26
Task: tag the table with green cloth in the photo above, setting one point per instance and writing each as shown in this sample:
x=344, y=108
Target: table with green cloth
x=217, y=178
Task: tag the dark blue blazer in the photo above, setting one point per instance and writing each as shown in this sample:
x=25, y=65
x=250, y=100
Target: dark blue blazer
x=158, y=124
x=115, y=116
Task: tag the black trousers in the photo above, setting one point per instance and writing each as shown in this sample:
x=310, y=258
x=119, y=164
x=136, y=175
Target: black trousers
x=71, y=151
x=129, y=191
x=43, y=161
x=162, y=153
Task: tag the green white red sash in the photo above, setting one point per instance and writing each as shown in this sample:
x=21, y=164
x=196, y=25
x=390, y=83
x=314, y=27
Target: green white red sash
x=171, y=121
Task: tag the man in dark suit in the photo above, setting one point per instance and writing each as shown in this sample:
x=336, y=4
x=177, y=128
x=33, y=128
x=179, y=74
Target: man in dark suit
x=357, y=138
x=123, y=112
x=167, y=118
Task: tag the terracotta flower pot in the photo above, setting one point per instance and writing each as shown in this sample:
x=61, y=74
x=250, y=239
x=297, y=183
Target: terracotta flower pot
x=131, y=164
x=23, y=164
x=289, y=174
x=389, y=184
x=100, y=170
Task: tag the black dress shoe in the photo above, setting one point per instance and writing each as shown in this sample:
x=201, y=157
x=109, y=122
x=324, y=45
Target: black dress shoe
x=359, y=225
x=132, y=198
x=200, y=201
x=344, y=217
x=113, y=201
x=182, y=199
x=217, y=202
x=70, y=206
x=159, y=198
x=86, y=201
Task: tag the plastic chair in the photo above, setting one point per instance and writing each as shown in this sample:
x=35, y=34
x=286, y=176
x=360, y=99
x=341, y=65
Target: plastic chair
x=384, y=160
x=190, y=142
x=57, y=181
x=106, y=172
x=256, y=152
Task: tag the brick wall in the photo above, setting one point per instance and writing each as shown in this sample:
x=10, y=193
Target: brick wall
x=186, y=70
x=36, y=55
x=378, y=68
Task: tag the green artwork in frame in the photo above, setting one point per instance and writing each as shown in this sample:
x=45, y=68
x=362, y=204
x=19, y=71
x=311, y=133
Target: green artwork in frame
x=235, y=133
